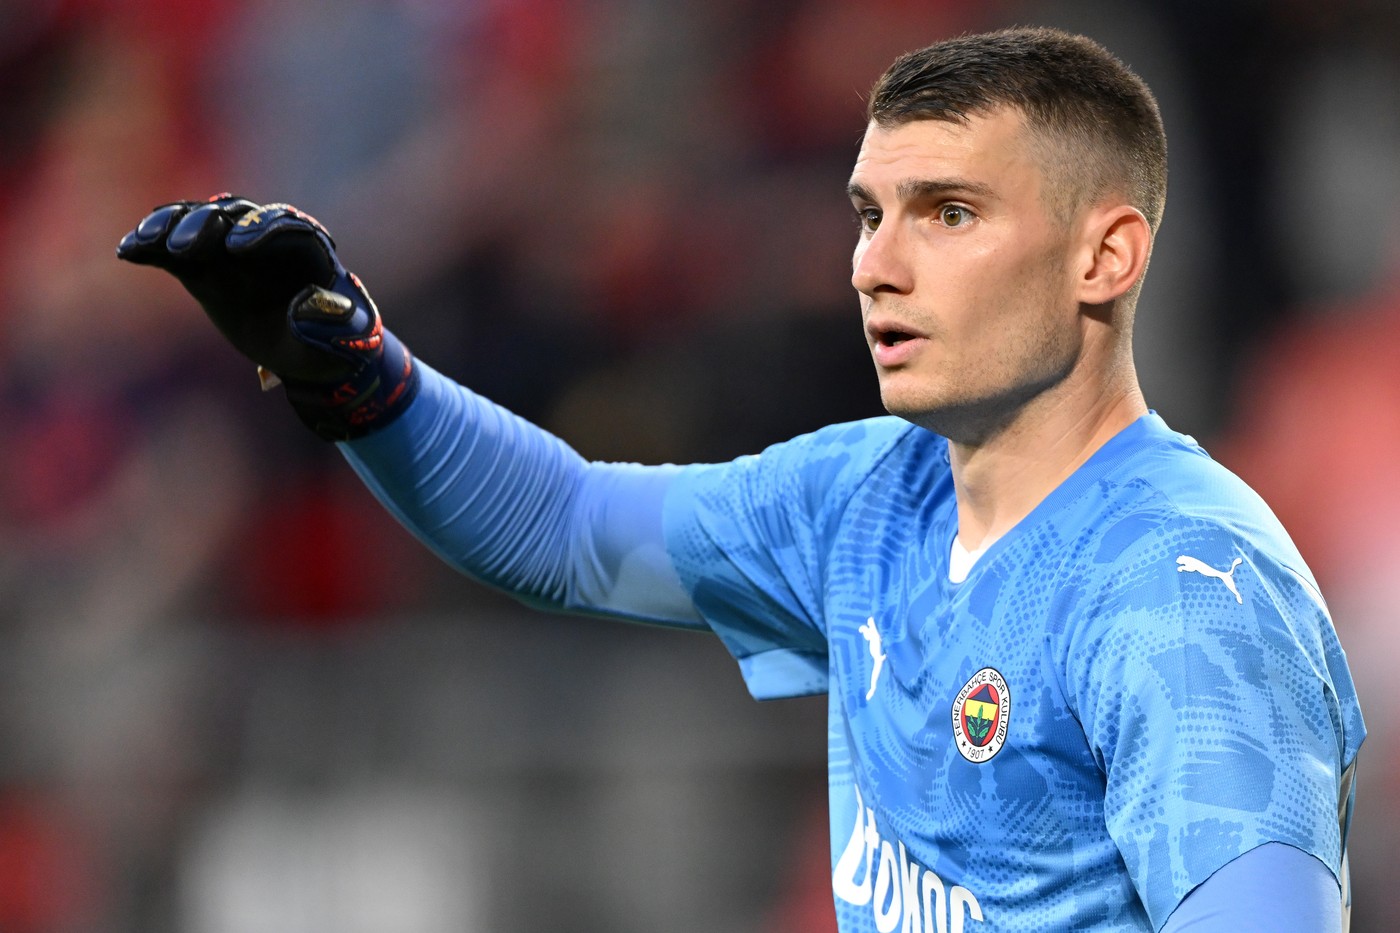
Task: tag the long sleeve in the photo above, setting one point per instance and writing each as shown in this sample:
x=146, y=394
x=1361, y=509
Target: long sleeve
x=513, y=506
x=1274, y=887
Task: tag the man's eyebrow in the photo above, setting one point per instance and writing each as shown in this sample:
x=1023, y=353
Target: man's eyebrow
x=915, y=189
x=921, y=188
x=858, y=192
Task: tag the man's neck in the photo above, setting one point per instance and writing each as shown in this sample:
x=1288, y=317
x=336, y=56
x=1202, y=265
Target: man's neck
x=1001, y=480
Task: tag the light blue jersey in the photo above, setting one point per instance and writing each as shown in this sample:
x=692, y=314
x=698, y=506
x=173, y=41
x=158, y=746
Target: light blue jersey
x=1134, y=686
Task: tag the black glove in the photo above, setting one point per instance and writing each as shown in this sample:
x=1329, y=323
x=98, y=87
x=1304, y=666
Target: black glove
x=269, y=279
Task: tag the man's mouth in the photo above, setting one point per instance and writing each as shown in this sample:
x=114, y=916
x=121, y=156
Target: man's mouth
x=893, y=338
x=894, y=344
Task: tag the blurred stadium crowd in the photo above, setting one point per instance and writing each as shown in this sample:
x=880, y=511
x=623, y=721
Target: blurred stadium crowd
x=235, y=697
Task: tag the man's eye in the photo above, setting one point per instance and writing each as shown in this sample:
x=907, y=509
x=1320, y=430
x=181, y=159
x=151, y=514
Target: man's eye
x=868, y=219
x=953, y=215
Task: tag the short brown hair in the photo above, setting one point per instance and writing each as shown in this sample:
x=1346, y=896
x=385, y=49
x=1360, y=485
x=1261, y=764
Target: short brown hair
x=1097, y=121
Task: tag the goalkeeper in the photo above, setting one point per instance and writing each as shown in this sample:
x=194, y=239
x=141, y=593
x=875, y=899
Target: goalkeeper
x=1079, y=677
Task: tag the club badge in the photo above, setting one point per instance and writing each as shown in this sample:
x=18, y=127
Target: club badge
x=981, y=712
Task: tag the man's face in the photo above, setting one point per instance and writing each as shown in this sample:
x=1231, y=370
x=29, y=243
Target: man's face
x=967, y=300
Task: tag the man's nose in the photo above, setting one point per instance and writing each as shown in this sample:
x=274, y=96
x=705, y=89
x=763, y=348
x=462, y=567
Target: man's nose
x=879, y=264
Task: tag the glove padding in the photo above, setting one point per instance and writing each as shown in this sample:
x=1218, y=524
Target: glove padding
x=269, y=279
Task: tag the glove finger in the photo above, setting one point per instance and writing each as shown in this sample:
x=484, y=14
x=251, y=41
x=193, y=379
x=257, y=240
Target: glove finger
x=235, y=206
x=197, y=230
x=262, y=222
x=143, y=244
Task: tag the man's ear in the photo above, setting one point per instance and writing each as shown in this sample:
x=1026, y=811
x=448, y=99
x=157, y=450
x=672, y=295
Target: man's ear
x=1117, y=241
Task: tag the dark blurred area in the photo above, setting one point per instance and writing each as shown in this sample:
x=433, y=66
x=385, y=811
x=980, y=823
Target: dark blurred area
x=234, y=696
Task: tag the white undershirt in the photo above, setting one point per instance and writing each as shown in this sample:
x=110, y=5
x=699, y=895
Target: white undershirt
x=961, y=560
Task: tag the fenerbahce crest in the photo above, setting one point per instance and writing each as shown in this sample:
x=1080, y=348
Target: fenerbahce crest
x=980, y=714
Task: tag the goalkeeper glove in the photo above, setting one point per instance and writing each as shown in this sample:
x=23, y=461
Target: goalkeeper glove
x=269, y=279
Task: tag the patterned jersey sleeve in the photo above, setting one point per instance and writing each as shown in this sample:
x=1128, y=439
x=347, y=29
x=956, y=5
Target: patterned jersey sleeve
x=1214, y=694
x=749, y=539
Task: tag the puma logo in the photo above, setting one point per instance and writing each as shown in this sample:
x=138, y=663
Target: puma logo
x=872, y=635
x=1186, y=564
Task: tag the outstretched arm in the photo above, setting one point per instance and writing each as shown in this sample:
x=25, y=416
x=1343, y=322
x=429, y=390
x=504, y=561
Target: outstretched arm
x=515, y=507
x=497, y=497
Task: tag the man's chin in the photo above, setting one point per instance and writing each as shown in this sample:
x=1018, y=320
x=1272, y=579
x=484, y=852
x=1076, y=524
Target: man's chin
x=970, y=422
